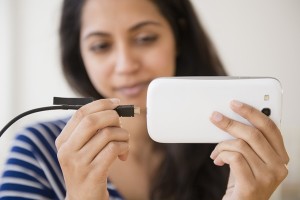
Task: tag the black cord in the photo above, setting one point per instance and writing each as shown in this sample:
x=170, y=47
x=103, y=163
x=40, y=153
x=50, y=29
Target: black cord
x=60, y=107
x=122, y=110
x=62, y=103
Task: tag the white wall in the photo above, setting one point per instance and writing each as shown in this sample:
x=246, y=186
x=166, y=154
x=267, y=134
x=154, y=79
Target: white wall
x=254, y=38
x=6, y=67
x=29, y=62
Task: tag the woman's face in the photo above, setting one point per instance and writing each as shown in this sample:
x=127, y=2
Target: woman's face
x=124, y=45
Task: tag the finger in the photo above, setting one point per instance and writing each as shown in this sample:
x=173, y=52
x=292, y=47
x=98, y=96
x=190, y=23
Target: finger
x=95, y=106
x=240, y=146
x=259, y=169
x=89, y=126
x=100, y=140
x=239, y=167
x=264, y=124
x=124, y=156
x=108, y=155
x=250, y=134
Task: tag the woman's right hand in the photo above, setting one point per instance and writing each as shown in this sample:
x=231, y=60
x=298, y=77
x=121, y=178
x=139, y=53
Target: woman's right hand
x=87, y=147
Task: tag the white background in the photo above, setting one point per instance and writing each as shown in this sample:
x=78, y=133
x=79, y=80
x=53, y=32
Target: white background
x=254, y=38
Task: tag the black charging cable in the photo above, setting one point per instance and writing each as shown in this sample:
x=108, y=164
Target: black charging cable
x=61, y=103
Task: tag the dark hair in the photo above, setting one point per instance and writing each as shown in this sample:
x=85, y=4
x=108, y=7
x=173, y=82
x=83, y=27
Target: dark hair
x=187, y=171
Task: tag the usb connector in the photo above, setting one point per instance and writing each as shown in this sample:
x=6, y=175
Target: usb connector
x=127, y=110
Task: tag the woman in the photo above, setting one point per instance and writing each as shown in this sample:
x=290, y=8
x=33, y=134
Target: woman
x=111, y=50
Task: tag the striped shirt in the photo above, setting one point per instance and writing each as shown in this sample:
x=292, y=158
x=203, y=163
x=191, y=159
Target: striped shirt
x=32, y=170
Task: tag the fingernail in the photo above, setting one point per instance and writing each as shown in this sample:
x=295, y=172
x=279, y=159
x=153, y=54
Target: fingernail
x=236, y=103
x=217, y=117
x=115, y=101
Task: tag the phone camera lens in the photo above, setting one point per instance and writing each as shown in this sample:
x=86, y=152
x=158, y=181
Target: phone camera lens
x=266, y=111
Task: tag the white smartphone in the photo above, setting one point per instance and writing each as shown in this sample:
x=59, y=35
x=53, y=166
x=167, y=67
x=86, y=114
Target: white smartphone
x=179, y=108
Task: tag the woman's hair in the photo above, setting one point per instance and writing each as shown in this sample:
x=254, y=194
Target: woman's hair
x=187, y=171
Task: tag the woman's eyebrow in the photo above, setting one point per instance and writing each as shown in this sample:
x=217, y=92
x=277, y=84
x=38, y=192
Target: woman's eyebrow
x=144, y=23
x=133, y=28
x=96, y=33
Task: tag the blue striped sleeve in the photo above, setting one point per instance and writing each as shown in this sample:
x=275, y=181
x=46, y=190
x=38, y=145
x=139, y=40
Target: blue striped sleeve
x=32, y=170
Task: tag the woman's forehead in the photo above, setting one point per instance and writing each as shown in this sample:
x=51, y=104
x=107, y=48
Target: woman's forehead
x=111, y=15
x=119, y=9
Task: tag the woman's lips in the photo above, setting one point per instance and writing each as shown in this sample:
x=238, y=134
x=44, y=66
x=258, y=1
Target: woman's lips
x=133, y=90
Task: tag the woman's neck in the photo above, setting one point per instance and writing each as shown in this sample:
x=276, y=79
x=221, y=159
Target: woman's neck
x=141, y=164
x=141, y=145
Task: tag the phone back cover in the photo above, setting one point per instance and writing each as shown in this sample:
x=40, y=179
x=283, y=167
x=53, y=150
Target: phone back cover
x=179, y=108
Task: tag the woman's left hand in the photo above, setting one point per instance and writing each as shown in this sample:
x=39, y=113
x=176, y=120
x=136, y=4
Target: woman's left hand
x=257, y=157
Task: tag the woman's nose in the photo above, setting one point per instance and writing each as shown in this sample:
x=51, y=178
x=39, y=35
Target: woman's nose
x=126, y=60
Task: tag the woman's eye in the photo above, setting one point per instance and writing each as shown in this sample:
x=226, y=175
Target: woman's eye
x=100, y=47
x=146, y=39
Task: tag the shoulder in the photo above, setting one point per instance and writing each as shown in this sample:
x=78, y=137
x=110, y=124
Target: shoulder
x=38, y=139
x=45, y=131
x=54, y=126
